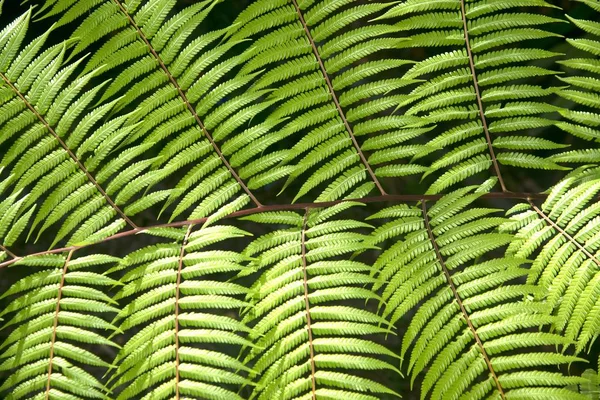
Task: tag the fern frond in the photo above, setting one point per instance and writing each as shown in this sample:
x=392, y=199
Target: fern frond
x=147, y=44
x=433, y=264
x=176, y=303
x=590, y=388
x=477, y=31
x=562, y=234
x=44, y=144
x=55, y=315
x=340, y=77
x=584, y=90
x=304, y=343
x=125, y=111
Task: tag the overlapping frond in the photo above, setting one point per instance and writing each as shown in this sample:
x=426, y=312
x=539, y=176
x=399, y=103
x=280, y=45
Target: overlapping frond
x=591, y=388
x=90, y=169
x=310, y=339
x=57, y=321
x=477, y=86
x=159, y=108
x=183, y=313
x=54, y=145
x=328, y=66
x=186, y=102
x=470, y=314
x=563, y=237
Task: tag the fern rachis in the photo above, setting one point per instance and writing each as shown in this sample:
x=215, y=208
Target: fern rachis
x=221, y=200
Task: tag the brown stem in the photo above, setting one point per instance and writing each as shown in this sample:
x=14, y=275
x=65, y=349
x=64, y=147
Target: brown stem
x=179, y=267
x=564, y=233
x=478, y=95
x=53, y=340
x=187, y=103
x=7, y=251
x=68, y=150
x=336, y=101
x=307, y=306
x=459, y=300
x=281, y=207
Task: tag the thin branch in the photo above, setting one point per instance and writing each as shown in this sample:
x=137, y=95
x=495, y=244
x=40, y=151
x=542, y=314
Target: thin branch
x=7, y=251
x=307, y=306
x=280, y=207
x=187, y=103
x=68, y=150
x=459, y=300
x=478, y=95
x=564, y=233
x=336, y=101
x=53, y=340
x=179, y=267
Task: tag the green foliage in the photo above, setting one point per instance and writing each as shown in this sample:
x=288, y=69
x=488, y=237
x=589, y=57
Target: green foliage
x=52, y=317
x=173, y=299
x=474, y=84
x=144, y=253
x=305, y=340
x=472, y=317
x=565, y=230
x=591, y=388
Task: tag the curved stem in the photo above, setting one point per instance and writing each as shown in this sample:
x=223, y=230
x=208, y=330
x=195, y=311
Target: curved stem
x=281, y=207
x=7, y=251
